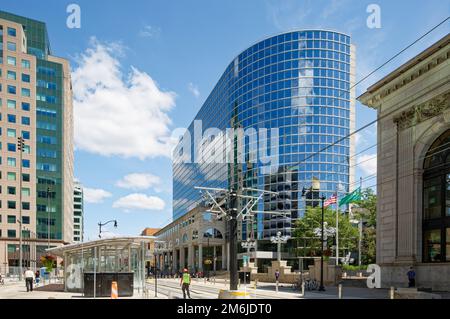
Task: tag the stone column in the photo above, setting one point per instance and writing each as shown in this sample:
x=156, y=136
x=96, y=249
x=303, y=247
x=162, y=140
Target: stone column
x=200, y=257
x=228, y=256
x=224, y=256
x=190, y=256
x=174, y=261
x=214, y=258
x=182, y=258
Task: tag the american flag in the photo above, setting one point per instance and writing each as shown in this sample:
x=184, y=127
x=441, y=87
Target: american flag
x=329, y=201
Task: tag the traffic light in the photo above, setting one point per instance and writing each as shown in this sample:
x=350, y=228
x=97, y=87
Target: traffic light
x=20, y=144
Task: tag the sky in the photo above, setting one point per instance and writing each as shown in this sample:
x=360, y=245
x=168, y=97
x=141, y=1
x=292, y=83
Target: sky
x=141, y=69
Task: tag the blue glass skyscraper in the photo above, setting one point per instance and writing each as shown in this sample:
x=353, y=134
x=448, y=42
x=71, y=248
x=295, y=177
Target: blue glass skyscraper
x=299, y=83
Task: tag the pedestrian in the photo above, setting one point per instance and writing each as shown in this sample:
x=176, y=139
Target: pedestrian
x=411, y=278
x=277, y=275
x=38, y=277
x=29, y=277
x=185, y=283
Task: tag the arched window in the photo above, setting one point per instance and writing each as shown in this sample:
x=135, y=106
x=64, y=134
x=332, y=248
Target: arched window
x=213, y=233
x=436, y=201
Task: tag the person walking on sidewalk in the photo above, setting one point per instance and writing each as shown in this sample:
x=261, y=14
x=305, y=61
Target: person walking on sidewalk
x=29, y=278
x=411, y=278
x=185, y=283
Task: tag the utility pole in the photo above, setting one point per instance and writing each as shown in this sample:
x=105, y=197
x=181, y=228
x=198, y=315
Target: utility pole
x=21, y=148
x=232, y=224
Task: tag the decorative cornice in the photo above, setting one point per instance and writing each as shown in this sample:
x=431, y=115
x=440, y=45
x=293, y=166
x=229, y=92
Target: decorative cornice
x=423, y=112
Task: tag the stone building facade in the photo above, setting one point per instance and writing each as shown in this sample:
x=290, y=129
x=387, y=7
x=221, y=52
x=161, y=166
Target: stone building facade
x=413, y=179
x=195, y=241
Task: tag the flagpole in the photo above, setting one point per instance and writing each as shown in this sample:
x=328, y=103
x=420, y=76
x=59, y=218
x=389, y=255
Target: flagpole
x=337, y=228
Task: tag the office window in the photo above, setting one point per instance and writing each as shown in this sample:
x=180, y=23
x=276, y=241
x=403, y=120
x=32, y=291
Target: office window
x=26, y=64
x=11, y=46
x=11, y=132
x=11, y=75
x=11, y=204
x=26, y=163
x=11, y=104
x=11, y=147
x=25, y=177
x=11, y=32
x=25, y=92
x=11, y=118
x=11, y=190
x=26, y=192
x=26, y=135
x=11, y=176
x=25, y=106
x=25, y=120
x=11, y=60
x=11, y=219
x=26, y=206
x=12, y=89
x=11, y=234
x=25, y=78
x=11, y=161
x=27, y=149
x=26, y=220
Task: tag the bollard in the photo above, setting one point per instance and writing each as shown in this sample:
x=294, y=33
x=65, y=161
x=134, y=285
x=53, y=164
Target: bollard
x=239, y=283
x=303, y=289
x=340, y=291
x=256, y=282
x=114, y=290
x=214, y=280
x=277, y=286
x=392, y=293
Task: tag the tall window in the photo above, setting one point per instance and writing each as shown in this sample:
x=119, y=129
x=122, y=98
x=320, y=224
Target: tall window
x=436, y=201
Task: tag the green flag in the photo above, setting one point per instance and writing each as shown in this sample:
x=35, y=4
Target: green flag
x=351, y=198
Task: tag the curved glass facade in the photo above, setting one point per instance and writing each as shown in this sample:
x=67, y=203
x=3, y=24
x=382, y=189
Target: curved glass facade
x=298, y=83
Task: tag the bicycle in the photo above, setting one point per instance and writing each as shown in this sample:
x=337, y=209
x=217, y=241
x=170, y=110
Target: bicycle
x=297, y=285
x=2, y=281
x=311, y=284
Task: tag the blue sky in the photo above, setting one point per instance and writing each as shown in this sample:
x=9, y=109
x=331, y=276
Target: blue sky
x=169, y=55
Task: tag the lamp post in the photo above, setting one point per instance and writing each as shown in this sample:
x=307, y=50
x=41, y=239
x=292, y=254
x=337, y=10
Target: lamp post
x=279, y=240
x=156, y=250
x=322, y=199
x=100, y=226
x=248, y=244
x=322, y=288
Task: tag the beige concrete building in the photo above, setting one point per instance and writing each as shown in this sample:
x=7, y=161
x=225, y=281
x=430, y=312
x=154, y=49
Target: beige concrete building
x=195, y=241
x=413, y=209
x=36, y=185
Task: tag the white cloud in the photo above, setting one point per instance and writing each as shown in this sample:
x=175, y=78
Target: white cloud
x=140, y=202
x=194, y=89
x=116, y=113
x=95, y=195
x=150, y=32
x=367, y=163
x=139, y=181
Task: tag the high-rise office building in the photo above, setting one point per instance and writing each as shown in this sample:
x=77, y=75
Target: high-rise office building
x=78, y=213
x=36, y=103
x=298, y=87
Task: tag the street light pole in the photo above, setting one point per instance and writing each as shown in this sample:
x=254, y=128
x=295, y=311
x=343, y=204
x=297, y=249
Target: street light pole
x=48, y=217
x=100, y=226
x=322, y=288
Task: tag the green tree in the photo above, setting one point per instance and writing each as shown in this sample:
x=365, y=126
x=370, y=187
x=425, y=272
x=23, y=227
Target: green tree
x=308, y=242
x=368, y=212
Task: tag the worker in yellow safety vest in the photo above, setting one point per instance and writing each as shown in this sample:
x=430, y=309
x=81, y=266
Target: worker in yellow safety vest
x=185, y=282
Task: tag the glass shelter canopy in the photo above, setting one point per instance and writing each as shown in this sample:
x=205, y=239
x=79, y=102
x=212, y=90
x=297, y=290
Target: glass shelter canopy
x=110, y=255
